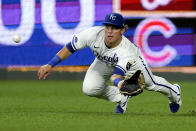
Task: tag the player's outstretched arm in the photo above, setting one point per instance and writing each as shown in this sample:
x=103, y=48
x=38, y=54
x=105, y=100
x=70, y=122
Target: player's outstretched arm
x=45, y=70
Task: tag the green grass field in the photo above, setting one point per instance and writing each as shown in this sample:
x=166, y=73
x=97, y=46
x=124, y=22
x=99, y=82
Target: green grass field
x=61, y=105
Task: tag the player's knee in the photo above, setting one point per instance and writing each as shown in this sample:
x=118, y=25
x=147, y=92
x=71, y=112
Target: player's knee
x=91, y=90
x=150, y=86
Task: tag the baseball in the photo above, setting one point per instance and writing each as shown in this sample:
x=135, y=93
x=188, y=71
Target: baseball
x=16, y=38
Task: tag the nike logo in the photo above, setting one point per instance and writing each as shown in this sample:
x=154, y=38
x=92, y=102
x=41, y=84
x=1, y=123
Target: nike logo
x=96, y=46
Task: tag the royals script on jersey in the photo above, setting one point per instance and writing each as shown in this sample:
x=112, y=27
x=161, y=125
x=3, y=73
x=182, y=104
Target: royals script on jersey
x=125, y=56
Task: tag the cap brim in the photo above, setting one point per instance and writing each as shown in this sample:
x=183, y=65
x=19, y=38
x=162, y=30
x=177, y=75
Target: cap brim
x=109, y=23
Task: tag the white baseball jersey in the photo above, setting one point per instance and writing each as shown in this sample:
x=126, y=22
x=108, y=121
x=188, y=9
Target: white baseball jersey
x=124, y=57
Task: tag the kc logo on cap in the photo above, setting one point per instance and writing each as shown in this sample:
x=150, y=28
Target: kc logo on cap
x=112, y=17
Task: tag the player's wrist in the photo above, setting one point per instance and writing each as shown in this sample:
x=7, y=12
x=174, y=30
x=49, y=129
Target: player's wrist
x=117, y=81
x=49, y=66
x=120, y=83
x=54, y=61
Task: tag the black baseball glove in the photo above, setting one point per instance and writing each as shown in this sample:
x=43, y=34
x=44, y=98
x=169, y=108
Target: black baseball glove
x=133, y=86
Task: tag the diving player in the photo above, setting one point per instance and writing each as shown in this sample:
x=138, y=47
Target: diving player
x=116, y=57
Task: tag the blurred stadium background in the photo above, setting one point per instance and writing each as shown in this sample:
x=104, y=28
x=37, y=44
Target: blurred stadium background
x=164, y=30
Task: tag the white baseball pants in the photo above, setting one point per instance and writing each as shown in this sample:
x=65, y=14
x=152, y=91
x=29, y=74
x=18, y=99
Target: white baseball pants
x=96, y=82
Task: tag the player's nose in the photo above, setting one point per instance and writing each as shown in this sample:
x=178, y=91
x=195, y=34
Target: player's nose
x=109, y=30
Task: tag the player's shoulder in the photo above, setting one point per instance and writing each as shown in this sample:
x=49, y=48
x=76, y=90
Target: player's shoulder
x=93, y=30
x=126, y=40
x=97, y=28
x=92, y=33
x=127, y=44
x=127, y=48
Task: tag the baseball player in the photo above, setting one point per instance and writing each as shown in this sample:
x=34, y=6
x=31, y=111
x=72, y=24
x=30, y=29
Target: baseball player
x=116, y=59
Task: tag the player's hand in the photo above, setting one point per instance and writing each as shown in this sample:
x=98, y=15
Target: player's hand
x=44, y=71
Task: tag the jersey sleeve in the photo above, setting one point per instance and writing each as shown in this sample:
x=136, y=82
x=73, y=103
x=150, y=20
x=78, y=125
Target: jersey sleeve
x=119, y=70
x=83, y=39
x=129, y=60
x=125, y=66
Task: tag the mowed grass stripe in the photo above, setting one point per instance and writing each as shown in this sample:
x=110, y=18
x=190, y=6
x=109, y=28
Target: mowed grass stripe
x=61, y=105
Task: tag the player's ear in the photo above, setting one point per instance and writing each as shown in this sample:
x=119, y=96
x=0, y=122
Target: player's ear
x=124, y=29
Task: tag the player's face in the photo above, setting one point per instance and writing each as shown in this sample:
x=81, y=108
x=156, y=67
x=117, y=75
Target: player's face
x=113, y=35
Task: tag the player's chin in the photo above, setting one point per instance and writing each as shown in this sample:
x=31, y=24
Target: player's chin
x=110, y=40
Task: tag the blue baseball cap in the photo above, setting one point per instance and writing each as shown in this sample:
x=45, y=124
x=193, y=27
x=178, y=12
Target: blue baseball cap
x=114, y=19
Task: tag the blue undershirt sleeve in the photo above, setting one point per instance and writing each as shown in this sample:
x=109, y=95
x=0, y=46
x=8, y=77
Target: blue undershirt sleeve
x=119, y=70
x=70, y=48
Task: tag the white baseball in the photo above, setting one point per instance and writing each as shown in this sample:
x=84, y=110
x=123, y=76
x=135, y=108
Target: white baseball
x=16, y=38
